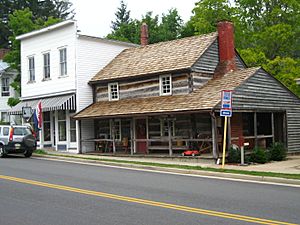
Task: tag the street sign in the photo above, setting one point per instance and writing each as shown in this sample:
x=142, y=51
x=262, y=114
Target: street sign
x=26, y=112
x=226, y=103
x=226, y=112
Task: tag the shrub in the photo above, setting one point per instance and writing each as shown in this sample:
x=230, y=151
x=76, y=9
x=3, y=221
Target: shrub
x=259, y=155
x=277, y=151
x=234, y=155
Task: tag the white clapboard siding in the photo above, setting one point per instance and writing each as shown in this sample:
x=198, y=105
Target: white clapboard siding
x=51, y=42
x=92, y=55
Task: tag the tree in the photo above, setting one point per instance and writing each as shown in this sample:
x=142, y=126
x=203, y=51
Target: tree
x=122, y=17
x=20, y=22
x=40, y=9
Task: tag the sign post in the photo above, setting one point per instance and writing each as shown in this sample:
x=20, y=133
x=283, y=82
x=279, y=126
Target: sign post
x=226, y=111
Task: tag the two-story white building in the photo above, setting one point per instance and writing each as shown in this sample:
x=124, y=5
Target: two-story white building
x=56, y=64
x=7, y=76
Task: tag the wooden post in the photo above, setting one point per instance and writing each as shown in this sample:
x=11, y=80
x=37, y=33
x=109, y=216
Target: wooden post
x=255, y=129
x=170, y=138
x=147, y=134
x=131, y=137
x=285, y=133
x=214, y=136
x=80, y=141
x=273, y=128
x=113, y=136
x=134, y=137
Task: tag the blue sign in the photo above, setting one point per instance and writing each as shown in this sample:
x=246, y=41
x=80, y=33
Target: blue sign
x=226, y=112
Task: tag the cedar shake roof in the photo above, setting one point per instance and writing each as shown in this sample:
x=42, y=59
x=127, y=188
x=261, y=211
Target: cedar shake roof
x=205, y=98
x=156, y=58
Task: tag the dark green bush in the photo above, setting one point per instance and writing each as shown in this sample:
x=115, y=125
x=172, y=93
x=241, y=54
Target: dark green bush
x=277, y=152
x=234, y=155
x=259, y=155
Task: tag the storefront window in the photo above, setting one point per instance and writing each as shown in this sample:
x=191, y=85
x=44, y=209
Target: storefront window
x=73, y=130
x=62, y=126
x=47, y=133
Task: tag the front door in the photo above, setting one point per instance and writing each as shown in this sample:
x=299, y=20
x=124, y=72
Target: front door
x=141, y=133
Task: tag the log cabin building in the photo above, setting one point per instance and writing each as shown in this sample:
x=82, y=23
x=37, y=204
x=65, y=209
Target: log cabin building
x=165, y=98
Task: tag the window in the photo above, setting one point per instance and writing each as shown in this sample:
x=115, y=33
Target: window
x=165, y=85
x=46, y=120
x=63, y=61
x=62, y=126
x=113, y=91
x=5, y=86
x=164, y=130
x=4, y=117
x=73, y=130
x=31, y=69
x=46, y=65
x=5, y=131
x=116, y=129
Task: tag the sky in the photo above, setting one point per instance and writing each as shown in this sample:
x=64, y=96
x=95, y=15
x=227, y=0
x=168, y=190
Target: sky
x=94, y=16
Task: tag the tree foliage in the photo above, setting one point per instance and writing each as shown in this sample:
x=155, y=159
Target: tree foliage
x=40, y=10
x=20, y=22
x=124, y=28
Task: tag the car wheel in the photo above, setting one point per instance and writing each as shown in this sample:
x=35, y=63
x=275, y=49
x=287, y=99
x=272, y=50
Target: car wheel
x=2, y=152
x=28, y=153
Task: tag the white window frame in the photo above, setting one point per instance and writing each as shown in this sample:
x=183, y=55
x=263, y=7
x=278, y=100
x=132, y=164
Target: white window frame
x=5, y=90
x=31, y=68
x=46, y=65
x=63, y=65
x=162, y=85
x=164, y=127
x=111, y=94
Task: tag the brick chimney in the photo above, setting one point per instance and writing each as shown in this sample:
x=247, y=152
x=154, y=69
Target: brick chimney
x=3, y=52
x=144, y=34
x=226, y=49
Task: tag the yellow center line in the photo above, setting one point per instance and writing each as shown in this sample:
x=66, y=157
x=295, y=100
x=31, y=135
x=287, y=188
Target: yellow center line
x=148, y=202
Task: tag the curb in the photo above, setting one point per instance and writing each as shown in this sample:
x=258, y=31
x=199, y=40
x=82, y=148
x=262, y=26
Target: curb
x=252, y=178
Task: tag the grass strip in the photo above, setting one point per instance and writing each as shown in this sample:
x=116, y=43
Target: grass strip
x=186, y=167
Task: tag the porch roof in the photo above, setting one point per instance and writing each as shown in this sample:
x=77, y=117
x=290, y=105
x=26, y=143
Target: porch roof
x=204, y=98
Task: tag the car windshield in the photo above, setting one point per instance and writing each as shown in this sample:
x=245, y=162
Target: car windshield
x=22, y=131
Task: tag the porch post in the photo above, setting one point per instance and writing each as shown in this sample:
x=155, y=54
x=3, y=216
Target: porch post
x=113, y=136
x=170, y=138
x=255, y=129
x=80, y=141
x=131, y=137
x=273, y=128
x=147, y=134
x=214, y=136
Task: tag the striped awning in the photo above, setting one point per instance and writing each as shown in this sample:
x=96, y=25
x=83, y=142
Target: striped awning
x=61, y=102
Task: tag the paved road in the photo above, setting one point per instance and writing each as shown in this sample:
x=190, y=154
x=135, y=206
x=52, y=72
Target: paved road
x=63, y=196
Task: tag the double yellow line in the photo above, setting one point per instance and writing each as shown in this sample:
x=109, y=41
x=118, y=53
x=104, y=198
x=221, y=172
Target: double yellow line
x=148, y=202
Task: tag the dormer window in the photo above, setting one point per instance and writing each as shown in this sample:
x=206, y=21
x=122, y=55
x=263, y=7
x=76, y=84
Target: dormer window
x=113, y=91
x=165, y=85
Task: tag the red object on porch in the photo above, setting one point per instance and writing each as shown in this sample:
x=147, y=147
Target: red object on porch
x=241, y=141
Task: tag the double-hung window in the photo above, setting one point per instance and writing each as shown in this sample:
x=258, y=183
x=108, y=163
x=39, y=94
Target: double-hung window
x=165, y=85
x=113, y=91
x=5, y=86
x=63, y=61
x=31, y=70
x=46, y=65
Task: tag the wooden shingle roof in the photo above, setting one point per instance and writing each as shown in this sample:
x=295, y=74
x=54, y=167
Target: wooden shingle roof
x=156, y=58
x=205, y=98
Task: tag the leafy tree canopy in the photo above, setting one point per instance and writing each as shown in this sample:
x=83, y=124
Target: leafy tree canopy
x=40, y=10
